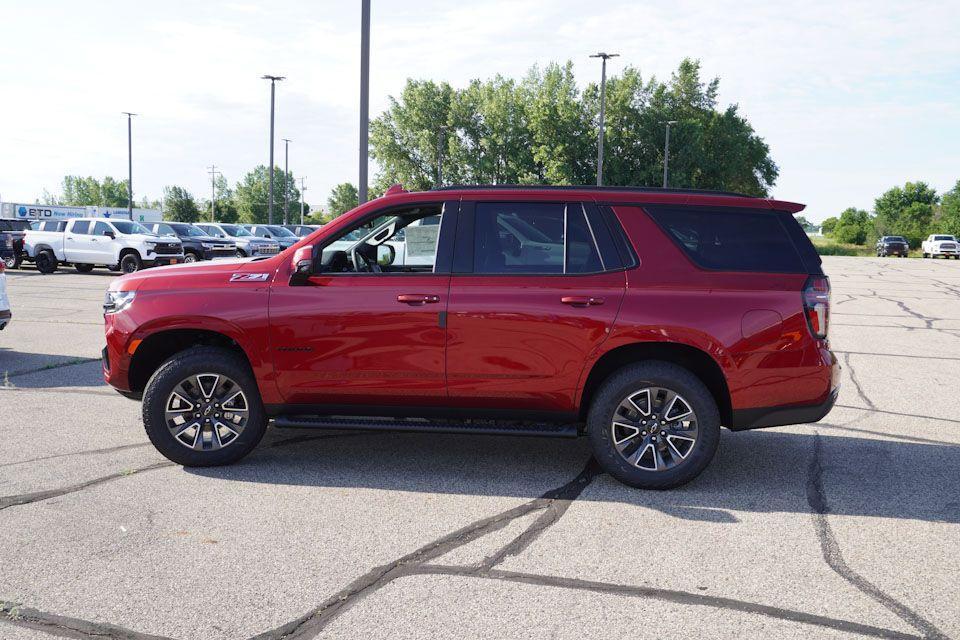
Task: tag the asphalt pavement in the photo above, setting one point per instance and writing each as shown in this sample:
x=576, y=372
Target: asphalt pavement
x=845, y=528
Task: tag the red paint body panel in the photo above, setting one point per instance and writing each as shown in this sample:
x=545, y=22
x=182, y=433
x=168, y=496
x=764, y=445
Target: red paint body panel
x=509, y=342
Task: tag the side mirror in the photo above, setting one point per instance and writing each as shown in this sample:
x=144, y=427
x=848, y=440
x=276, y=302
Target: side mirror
x=386, y=254
x=110, y=234
x=301, y=265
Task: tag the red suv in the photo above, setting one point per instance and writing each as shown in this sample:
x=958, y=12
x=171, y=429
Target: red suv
x=642, y=318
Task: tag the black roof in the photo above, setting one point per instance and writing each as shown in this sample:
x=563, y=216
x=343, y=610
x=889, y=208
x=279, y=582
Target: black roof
x=703, y=192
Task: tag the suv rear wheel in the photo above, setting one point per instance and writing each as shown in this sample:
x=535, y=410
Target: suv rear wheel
x=202, y=408
x=653, y=425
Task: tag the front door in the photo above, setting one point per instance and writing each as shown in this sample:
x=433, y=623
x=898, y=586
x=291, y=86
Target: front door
x=531, y=298
x=368, y=331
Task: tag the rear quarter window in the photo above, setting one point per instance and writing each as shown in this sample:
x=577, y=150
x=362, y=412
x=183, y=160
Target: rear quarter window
x=736, y=239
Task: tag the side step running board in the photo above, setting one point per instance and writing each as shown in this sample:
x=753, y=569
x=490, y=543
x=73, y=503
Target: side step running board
x=476, y=427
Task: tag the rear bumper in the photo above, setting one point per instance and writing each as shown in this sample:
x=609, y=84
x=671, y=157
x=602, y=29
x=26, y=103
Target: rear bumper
x=760, y=417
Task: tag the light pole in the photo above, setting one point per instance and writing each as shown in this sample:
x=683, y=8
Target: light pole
x=364, y=98
x=129, y=163
x=603, y=108
x=286, y=173
x=302, y=189
x=213, y=191
x=666, y=152
x=273, y=83
x=440, y=140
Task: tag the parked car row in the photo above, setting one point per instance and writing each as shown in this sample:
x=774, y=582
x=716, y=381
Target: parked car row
x=123, y=245
x=937, y=244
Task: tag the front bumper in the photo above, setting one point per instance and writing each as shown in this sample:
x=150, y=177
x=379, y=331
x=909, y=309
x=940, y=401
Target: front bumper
x=159, y=261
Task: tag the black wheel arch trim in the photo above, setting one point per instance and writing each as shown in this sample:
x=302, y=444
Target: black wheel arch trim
x=763, y=417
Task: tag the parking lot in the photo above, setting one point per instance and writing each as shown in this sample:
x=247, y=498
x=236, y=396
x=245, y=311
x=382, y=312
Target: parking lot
x=845, y=528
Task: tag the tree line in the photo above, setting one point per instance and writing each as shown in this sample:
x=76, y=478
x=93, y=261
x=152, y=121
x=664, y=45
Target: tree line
x=541, y=129
x=913, y=211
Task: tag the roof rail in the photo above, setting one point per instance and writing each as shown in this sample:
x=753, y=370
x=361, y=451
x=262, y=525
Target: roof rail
x=708, y=192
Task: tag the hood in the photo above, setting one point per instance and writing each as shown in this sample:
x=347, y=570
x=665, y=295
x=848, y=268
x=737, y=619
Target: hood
x=208, y=239
x=196, y=275
x=142, y=237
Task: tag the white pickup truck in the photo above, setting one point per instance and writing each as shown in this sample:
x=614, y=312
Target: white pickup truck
x=940, y=244
x=121, y=245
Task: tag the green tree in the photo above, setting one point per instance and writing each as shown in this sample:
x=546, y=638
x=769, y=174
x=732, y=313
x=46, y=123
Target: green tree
x=853, y=227
x=949, y=220
x=828, y=225
x=906, y=211
x=343, y=198
x=79, y=191
x=805, y=224
x=179, y=205
x=252, y=201
x=544, y=130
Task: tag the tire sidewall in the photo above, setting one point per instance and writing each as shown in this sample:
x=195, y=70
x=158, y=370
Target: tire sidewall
x=653, y=374
x=183, y=365
x=46, y=262
x=190, y=257
x=130, y=259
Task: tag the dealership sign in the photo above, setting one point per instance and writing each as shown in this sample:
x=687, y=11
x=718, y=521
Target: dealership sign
x=55, y=212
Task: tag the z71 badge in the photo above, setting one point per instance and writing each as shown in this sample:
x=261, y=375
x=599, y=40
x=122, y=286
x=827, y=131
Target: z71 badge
x=249, y=277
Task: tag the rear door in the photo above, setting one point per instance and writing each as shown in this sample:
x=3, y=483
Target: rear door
x=532, y=296
x=76, y=242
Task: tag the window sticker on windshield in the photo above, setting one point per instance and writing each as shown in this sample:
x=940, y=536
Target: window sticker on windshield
x=422, y=241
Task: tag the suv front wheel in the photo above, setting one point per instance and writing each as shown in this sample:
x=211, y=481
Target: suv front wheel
x=653, y=425
x=202, y=408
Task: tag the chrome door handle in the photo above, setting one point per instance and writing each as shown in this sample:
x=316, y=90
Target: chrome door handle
x=581, y=301
x=417, y=298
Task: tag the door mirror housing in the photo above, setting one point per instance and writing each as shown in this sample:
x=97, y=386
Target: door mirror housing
x=386, y=254
x=301, y=265
x=110, y=234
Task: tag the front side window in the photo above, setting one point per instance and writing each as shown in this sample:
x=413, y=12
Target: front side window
x=101, y=228
x=535, y=238
x=402, y=241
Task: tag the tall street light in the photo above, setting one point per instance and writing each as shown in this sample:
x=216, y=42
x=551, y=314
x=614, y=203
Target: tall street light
x=603, y=109
x=129, y=163
x=286, y=174
x=666, y=152
x=273, y=83
x=302, y=189
x=213, y=191
x=364, y=98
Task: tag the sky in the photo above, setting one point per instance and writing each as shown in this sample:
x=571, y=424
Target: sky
x=852, y=97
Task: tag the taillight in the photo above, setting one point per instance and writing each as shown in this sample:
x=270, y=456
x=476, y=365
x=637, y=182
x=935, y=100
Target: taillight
x=816, y=304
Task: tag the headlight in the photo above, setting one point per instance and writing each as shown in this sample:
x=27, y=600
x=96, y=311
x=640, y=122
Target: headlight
x=206, y=245
x=115, y=301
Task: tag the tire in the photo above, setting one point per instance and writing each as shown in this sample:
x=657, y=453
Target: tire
x=46, y=261
x=184, y=367
x=190, y=256
x=240, y=253
x=926, y=255
x=83, y=268
x=131, y=263
x=629, y=383
x=11, y=262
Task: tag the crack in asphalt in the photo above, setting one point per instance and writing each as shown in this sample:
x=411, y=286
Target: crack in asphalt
x=86, y=452
x=856, y=383
x=312, y=623
x=67, y=627
x=898, y=413
x=668, y=595
x=39, y=496
x=892, y=436
x=833, y=555
x=900, y=355
x=50, y=367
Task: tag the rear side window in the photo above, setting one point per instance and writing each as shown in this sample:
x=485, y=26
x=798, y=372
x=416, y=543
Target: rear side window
x=80, y=227
x=733, y=239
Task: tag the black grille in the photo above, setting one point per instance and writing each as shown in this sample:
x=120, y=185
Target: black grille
x=168, y=248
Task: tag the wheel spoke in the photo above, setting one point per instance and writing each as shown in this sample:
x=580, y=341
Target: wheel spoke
x=207, y=383
x=197, y=417
x=663, y=443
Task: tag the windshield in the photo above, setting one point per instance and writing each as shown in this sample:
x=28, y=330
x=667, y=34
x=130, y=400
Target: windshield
x=943, y=237
x=189, y=231
x=127, y=228
x=235, y=231
x=895, y=239
x=280, y=231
